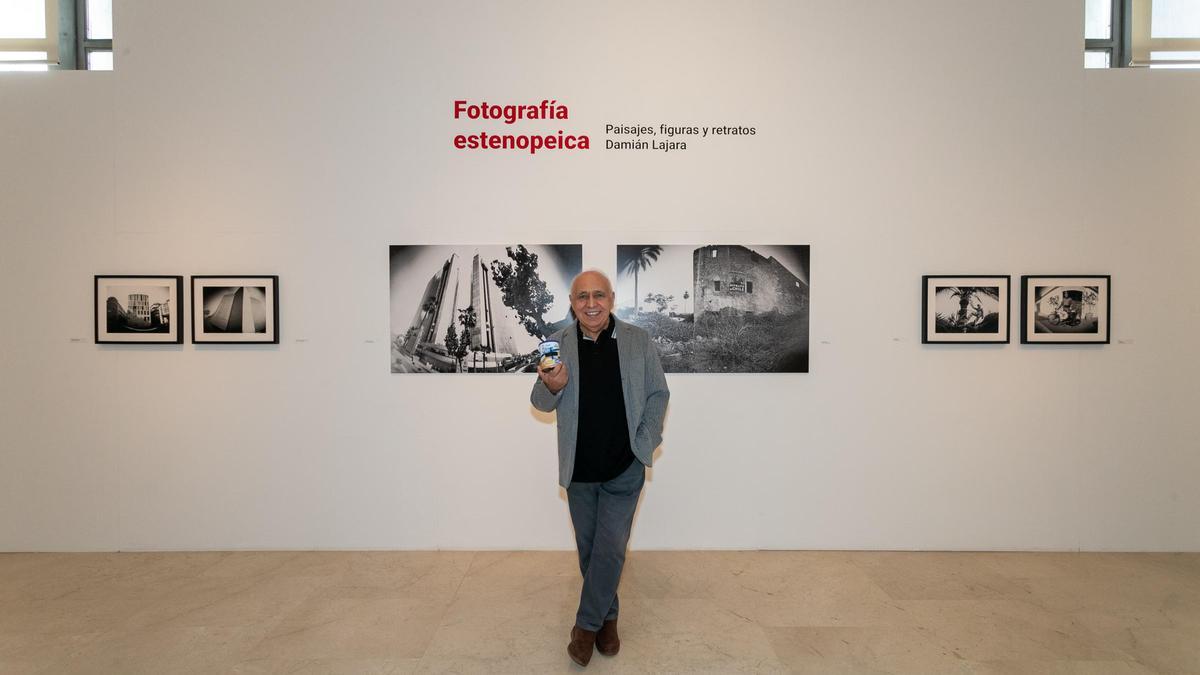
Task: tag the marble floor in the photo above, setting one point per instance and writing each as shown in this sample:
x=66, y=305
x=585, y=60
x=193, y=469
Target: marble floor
x=684, y=612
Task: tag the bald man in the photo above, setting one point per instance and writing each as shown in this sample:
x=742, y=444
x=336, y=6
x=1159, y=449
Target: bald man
x=610, y=395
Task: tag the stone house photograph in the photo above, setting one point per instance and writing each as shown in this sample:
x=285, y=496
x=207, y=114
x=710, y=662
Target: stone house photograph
x=719, y=307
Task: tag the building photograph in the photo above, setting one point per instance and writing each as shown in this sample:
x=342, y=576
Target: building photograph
x=484, y=309
x=719, y=308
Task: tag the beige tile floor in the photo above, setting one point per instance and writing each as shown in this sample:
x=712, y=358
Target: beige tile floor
x=685, y=612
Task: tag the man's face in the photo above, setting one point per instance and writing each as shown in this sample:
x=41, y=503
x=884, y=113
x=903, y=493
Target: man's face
x=592, y=300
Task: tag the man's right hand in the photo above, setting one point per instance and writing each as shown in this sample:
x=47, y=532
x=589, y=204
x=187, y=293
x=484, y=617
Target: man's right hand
x=554, y=378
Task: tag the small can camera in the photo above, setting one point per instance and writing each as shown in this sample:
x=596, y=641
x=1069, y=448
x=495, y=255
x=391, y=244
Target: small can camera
x=549, y=354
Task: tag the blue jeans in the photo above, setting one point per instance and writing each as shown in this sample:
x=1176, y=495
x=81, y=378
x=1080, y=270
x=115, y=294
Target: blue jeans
x=602, y=514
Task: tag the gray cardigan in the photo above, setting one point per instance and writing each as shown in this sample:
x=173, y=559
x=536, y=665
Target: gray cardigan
x=642, y=382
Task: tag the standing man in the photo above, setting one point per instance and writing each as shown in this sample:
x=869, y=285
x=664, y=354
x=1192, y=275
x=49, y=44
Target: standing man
x=611, y=396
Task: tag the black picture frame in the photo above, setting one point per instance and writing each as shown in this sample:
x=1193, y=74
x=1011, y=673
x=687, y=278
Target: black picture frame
x=140, y=320
x=1066, y=327
x=234, y=329
x=977, y=325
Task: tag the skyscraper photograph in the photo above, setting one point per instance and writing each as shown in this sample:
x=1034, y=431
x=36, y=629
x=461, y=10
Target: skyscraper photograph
x=477, y=308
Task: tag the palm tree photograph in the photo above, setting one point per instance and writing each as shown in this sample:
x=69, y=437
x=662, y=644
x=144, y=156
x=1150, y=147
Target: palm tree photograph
x=965, y=309
x=718, y=308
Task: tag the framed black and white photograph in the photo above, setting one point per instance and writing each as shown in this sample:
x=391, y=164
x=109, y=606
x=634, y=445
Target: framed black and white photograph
x=719, y=308
x=138, y=309
x=965, y=309
x=478, y=309
x=1064, y=309
x=235, y=309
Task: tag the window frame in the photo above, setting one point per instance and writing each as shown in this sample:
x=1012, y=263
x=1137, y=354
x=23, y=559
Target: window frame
x=84, y=45
x=51, y=44
x=1119, y=39
x=1143, y=44
x=1129, y=49
x=66, y=44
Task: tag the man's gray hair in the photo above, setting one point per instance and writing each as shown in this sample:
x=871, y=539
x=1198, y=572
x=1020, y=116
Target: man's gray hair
x=593, y=271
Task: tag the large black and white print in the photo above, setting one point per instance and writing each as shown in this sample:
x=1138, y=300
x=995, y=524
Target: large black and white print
x=719, y=308
x=1063, y=309
x=235, y=310
x=965, y=309
x=138, y=309
x=478, y=309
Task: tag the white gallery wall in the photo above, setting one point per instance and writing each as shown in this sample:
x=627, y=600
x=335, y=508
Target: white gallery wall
x=898, y=139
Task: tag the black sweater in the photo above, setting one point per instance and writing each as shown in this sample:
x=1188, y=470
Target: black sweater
x=602, y=450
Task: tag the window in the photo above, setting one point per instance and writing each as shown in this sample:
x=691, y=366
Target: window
x=99, y=60
x=95, y=42
x=28, y=34
x=716, y=282
x=749, y=286
x=1172, y=19
x=1141, y=33
x=1097, y=58
x=23, y=61
x=714, y=253
x=1166, y=33
x=56, y=34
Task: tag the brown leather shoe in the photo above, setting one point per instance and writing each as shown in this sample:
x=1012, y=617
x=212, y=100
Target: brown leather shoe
x=607, y=642
x=581, y=645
